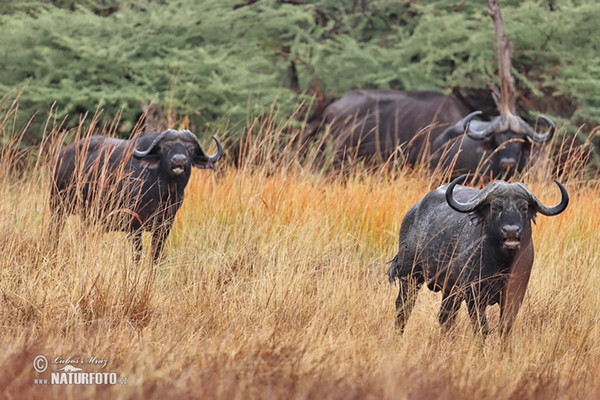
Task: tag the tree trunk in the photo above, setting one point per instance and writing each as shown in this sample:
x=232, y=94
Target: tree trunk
x=507, y=101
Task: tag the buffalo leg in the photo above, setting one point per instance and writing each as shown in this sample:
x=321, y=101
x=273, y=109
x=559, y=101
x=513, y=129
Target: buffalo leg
x=449, y=310
x=405, y=301
x=158, y=240
x=136, y=240
x=512, y=297
x=476, y=307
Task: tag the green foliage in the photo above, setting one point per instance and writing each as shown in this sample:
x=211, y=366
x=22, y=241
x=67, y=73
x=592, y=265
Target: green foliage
x=169, y=54
x=102, y=7
x=218, y=61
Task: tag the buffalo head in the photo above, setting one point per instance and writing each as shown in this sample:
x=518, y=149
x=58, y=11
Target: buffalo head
x=507, y=209
x=174, y=152
x=505, y=141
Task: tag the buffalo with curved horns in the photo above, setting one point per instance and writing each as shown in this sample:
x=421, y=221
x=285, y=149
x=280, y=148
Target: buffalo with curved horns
x=470, y=244
x=428, y=126
x=497, y=148
x=130, y=185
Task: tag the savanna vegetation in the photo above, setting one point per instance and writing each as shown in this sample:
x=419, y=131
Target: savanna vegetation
x=273, y=286
x=273, y=281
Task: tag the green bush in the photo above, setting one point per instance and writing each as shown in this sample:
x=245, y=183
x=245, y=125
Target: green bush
x=223, y=61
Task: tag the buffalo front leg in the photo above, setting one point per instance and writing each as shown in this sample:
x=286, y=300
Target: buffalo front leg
x=159, y=236
x=512, y=297
x=476, y=307
x=405, y=302
x=450, y=305
x=138, y=248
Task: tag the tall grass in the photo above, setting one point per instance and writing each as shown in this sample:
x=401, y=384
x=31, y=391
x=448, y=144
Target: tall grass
x=273, y=286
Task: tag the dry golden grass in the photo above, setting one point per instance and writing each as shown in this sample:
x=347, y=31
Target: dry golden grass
x=273, y=286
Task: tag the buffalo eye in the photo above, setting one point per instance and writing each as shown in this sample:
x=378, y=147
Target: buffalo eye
x=495, y=208
x=156, y=150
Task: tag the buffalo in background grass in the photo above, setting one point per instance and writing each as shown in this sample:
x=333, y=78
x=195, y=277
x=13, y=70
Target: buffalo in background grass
x=129, y=185
x=428, y=127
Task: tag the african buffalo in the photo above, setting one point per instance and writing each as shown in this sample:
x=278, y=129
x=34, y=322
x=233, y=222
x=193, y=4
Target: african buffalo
x=130, y=185
x=496, y=148
x=470, y=244
x=427, y=126
x=373, y=123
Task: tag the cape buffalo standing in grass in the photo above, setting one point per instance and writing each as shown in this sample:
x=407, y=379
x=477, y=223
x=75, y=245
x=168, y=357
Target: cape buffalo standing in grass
x=427, y=126
x=470, y=244
x=130, y=185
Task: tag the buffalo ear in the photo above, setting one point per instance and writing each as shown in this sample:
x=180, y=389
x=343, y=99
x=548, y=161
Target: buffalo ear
x=481, y=215
x=201, y=161
x=485, y=213
x=532, y=214
x=150, y=162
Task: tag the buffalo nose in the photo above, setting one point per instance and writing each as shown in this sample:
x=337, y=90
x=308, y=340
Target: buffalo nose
x=179, y=159
x=507, y=163
x=512, y=231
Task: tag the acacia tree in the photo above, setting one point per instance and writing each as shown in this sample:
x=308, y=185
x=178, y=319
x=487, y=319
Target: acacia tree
x=506, y=100
x=225, y=61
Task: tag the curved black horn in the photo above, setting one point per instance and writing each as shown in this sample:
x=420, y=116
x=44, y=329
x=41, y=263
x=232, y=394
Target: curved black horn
x=550, y=210
x=536, y=137
x=215, y=156
x=143, y=153
x=468, y=118
x=219, y=152
x=452, y=202
x=191, y=135
x=480, y=134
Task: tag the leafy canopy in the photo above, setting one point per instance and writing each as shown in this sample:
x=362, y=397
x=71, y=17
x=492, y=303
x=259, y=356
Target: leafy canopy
x=218, y=61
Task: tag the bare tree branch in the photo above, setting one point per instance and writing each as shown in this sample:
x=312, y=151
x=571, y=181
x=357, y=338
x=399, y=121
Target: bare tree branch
x=507, y=103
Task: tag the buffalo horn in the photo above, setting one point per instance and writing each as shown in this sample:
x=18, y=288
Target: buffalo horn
x=493, y=189
x=549, y=210
x=536, y=137
x=219, y=152
x=215, y=156
x=499, y=187
x=143, y=153
x=480, y=134
x=455, y=204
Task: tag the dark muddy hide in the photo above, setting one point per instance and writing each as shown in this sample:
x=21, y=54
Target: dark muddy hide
x=492, y=149
x=430, y=127
x=472, y=245
x=378, y=124
x=127, y=185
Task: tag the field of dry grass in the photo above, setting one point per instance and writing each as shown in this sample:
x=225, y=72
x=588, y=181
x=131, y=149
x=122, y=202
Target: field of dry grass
x=273, y=285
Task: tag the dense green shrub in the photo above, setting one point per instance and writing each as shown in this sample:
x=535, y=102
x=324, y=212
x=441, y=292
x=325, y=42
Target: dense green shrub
x=221, y=60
